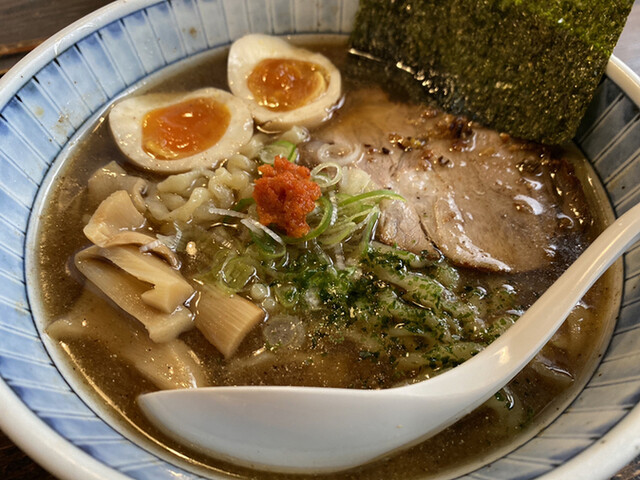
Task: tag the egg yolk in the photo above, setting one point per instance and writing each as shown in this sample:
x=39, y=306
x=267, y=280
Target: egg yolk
x=185, y=128
x=283, y=84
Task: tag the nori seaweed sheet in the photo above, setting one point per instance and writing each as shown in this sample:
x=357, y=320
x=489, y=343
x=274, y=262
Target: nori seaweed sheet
x=525, y=67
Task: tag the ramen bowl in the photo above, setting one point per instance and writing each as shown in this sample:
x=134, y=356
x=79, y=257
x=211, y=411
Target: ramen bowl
x=64, y=86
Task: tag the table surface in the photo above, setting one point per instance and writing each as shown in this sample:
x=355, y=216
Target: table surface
x=25, y=23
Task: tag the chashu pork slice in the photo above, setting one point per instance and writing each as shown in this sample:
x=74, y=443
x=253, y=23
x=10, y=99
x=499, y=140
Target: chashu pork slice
x=483, y=199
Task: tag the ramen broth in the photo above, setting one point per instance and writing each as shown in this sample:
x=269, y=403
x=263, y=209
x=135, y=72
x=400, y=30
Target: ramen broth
x=325, y=355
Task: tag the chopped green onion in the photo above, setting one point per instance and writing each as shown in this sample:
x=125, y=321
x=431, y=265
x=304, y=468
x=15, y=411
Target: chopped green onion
x=376, y=195
x=259, y=229
x=236, y=273
x=338, y=235
x=319, y=254
x=325, y=222
x=280, y=148
x=371, y=220
x=325, y=181
x=346, y=225
x=268, y=248
x=286, y=294
x=216, y=261
x=269, y=242
x=355, y=217
x=242, y=204
x=226, y=214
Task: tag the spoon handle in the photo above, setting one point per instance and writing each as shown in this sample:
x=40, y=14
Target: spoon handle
x=507, y=355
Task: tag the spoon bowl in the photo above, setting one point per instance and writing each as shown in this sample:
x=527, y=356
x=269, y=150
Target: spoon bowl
x=303, y=429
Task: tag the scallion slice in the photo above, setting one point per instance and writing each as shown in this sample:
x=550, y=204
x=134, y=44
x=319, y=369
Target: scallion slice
x=323, y=180
x=375, y=195
x=242, y=204
x=325, y=222
x=280, y=148
x=269, y=242
x=267, y=247
x=236, y=273
x=338, y=235
x=371, y=220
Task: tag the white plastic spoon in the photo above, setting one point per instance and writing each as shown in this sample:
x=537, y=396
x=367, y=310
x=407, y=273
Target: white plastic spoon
x=298, y=429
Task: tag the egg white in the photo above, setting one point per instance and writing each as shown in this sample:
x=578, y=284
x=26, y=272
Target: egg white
x=248, y=51
x=126, y=117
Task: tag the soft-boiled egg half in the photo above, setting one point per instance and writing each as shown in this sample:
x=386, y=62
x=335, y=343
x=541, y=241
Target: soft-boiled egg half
x=176, y=132
x=282, y=84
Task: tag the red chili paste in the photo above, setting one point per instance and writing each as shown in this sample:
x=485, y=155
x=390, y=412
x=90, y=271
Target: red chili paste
x=285, y=195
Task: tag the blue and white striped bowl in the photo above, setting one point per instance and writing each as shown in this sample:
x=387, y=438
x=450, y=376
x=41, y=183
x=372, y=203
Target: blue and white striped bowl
x=66, y=82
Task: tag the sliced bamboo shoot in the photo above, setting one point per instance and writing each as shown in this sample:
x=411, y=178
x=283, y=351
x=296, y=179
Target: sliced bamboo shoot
x=170, y=289
x=126, y=291
x=115, y=214
x=167, y=365
x=110, y=179
x=225, y=320
x=142, y=239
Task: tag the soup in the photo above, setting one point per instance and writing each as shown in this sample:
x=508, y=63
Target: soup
x=378, y=247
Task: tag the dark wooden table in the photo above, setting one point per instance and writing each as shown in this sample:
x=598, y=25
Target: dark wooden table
x=26, y=23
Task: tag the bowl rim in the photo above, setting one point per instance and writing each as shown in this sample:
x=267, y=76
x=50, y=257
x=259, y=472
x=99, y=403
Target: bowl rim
x=39, y=57
x=65, y=460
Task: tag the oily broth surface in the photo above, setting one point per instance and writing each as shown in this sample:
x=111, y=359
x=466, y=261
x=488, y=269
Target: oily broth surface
x=481, y=435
